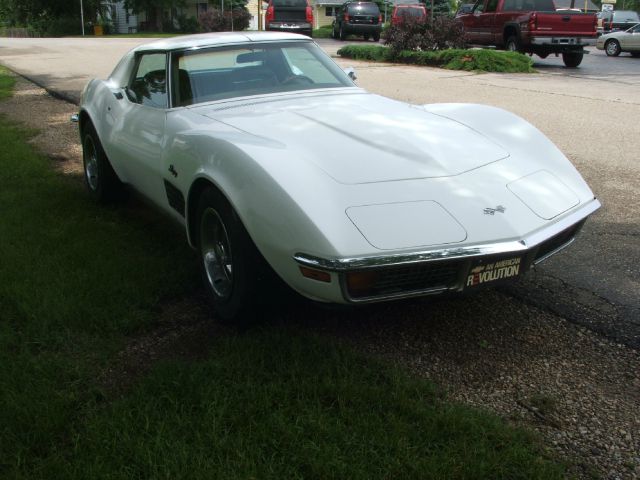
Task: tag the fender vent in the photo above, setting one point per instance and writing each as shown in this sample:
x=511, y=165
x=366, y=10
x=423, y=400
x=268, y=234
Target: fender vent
x=174, y=197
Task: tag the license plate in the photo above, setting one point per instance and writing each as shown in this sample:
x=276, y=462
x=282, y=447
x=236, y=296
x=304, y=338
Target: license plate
x=485, y=272
x=290, y=26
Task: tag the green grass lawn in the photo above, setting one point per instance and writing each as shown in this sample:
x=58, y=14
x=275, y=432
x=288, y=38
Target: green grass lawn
x=77, y=281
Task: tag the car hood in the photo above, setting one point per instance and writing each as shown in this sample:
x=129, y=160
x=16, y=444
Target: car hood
x=359, y=137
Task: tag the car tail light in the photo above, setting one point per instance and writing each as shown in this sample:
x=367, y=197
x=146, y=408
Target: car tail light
x=309, y=14
x=270, y=16
x=380, y=18
x=346, y=17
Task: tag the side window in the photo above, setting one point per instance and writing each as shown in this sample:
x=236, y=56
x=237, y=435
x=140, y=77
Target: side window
x=491, y=6
x=479, y=8
x=149, y=84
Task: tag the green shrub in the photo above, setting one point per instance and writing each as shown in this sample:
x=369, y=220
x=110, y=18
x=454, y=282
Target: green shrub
x=323, y=32
x=452, y=59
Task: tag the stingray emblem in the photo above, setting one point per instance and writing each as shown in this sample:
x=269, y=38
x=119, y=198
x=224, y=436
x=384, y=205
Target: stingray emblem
x=492, y=211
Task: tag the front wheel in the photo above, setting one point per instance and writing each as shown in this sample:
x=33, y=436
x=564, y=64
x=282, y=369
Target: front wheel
x=229, y=260
x=572, y=59
x=102, y=182
x=612, y=48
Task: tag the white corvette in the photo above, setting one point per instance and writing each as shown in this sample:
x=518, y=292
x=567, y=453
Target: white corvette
x=264, y=149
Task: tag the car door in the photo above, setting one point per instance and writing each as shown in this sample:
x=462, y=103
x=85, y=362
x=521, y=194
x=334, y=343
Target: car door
x=472, y=23
x=631, y=39
x=139, y=125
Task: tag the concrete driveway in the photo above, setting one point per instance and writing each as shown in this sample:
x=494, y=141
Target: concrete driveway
x=593, y=118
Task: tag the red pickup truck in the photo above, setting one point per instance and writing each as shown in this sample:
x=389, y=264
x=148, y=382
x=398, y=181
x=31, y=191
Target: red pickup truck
x=531, y=26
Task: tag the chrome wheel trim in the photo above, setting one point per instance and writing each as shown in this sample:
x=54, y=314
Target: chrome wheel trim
x=511, y=46
x=90, y=163
x=216, y=253
x=612, y=47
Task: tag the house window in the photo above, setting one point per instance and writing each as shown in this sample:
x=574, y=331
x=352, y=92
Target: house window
x=330, y=11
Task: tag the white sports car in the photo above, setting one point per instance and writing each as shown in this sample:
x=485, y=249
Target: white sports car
x=275, y=161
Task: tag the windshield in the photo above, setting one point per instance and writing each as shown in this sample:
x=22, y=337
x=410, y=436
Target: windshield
x=364, y=9
x=237, y=71
x=625, y=16
x=410, y=12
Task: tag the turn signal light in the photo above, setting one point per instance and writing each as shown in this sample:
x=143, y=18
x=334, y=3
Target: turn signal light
x=360, y=284
x=319, y=275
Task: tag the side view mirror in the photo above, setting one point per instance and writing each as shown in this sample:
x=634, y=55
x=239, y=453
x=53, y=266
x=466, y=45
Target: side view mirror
x=351, y=73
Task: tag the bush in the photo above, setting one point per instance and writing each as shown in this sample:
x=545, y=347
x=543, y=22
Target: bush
x=55, y=27
x=444, y=32
x=215, y=21
x=452, y=59
x=322, y=32
x=187, y=24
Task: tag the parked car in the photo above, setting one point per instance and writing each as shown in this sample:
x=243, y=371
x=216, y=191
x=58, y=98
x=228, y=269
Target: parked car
x=615, y=43
x=289, y=16
x=530, y=26
x=618, y=20
x=401, y=13
x=278, y=166
x=357, y=18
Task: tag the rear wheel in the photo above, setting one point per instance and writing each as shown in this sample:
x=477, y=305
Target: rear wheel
x=102, y=182
x=612, y=48
x=512, y=44
x=572, y=59
x=342, y=34
x=366, y=37
x=376, y=37
x=231, y=264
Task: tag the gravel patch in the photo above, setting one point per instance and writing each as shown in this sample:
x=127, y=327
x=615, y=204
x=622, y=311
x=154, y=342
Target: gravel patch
x=580, y=391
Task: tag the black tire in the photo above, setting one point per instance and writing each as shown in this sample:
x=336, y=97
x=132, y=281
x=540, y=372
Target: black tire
x=232, y=268
x=572, y=59
x=376, y=36
x=366, y=37
x=612, y=48
x=635, y=54
x=513, y=44
x=334, y=34
x=342, y=34
x=103, y=184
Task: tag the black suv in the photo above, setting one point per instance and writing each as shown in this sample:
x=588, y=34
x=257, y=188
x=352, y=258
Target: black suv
x=358, y=18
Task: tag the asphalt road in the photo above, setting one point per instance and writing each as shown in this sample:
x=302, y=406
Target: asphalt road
x=591, y=113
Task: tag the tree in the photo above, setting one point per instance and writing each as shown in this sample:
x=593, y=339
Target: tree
x=154, y=9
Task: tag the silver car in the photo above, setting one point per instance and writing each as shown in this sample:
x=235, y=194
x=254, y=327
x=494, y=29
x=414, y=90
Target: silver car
x=616, y=42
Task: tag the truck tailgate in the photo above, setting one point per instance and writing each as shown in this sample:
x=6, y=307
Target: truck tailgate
x=564, y=24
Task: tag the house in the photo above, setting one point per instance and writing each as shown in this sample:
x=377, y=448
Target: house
x=123, y=21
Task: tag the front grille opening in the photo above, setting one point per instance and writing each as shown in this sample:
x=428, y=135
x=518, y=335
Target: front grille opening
x=403, y=279
x=549, y=246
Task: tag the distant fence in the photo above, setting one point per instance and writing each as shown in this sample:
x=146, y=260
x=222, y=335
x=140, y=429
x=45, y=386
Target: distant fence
x=17, y=32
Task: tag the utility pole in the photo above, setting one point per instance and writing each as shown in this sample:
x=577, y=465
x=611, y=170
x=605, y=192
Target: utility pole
x=82, y=17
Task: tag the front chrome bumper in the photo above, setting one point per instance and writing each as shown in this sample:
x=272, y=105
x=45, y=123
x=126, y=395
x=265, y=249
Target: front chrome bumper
x=535, y=247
